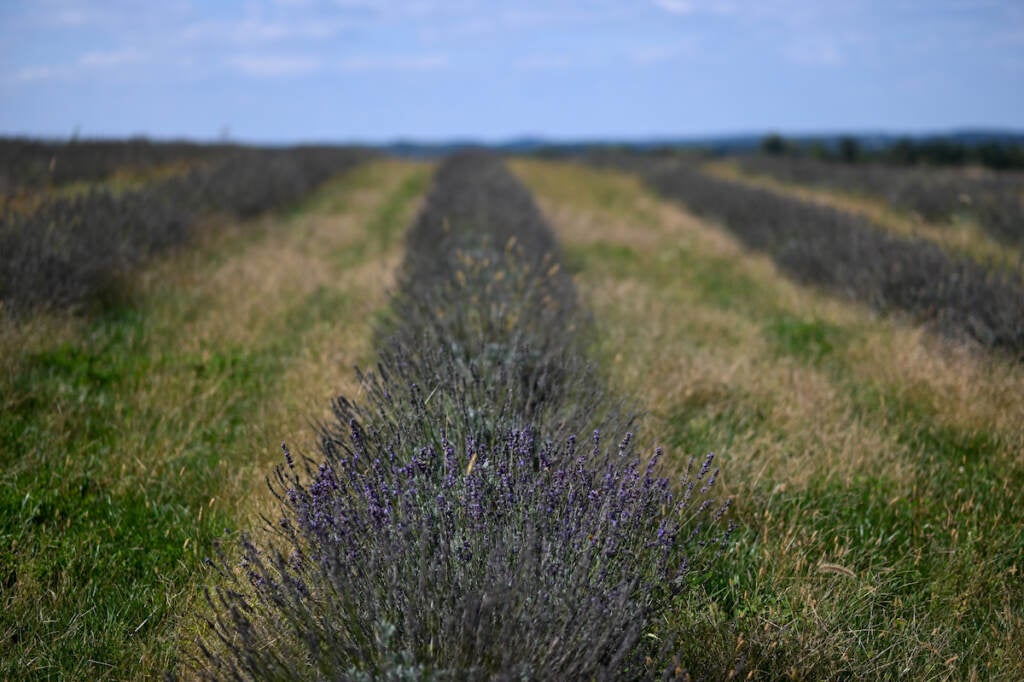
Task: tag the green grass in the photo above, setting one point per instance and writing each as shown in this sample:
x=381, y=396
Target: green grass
x=102, y=552
x=130, y=444
x=925, y=586
x=390, y=220
x=807, y=340
x=90, y=561
x=387, y=223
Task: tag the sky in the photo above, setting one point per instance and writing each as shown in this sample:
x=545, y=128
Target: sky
x=490, y=70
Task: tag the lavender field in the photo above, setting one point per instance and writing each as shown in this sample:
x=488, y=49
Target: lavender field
x=325, y=413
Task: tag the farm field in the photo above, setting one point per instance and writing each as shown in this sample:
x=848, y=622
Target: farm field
x=132, y=438
x=967, y=200
x=872, y=455
x=868, y=459
x=959, y=234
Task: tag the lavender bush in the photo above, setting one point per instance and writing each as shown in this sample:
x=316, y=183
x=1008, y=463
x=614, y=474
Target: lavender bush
x=847, y=254
x=33, y=164
x=525, y=559
x=486, y=321
x=993, y=199
x=70, y=249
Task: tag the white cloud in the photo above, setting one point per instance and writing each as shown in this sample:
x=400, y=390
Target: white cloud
x=408, y=8
x=684, y=7
x=470, y=29
x=274, y=65
x=375, y=5
x=658, y=54
x=31, y=74
x=64, y=14
x=87, y=62
x=420, y=62
x=105, y=59
x=551, y=62
x=477, y=25
x=71, y=17
x=251, y=31
x=816, y=53
x=676, y=6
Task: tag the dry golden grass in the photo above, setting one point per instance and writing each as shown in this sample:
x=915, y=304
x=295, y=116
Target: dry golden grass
x=770, y=418
x=20, y=336
x=963, y=238
x=245, y=300
x=672, y=343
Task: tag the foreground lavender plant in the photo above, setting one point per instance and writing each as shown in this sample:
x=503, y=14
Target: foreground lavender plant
x=525, y=559
x=452, y=527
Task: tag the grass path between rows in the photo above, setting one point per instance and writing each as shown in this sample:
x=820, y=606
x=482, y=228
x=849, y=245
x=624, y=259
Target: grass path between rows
x=131, y=441
x=961, y=238
x=877, y=470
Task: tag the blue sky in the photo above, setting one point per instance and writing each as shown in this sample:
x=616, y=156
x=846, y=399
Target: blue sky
x=378, y=70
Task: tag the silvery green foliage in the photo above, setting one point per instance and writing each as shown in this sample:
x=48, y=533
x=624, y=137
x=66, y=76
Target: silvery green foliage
x=522, y=558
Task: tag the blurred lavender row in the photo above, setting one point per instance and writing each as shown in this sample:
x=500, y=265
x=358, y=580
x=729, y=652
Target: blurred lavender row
x=483, y=514
x=847, y=254
x=71, y=251
x=27, y=164
x=994, y=199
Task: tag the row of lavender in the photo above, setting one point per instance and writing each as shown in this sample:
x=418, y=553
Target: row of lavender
x=71, y=250
x=845, y=253
x=994, y=200
x=27, y=164
x=453, y=526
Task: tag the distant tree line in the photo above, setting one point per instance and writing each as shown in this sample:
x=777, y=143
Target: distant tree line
x=906, y=151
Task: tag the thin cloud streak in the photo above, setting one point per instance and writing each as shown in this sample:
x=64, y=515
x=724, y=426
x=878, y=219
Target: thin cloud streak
x=686, y=7
x=32, y=74
x=554, y=62
x=89, y=62
x=107, y=59
x=274, y=66
x=649, y=55
x=676, y=6
x=254, y=31
x=817, y=53
x=421, y=62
